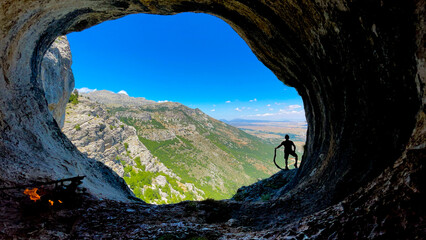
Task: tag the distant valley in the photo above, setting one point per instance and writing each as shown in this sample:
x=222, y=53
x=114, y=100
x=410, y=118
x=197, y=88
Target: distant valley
x=274, y=131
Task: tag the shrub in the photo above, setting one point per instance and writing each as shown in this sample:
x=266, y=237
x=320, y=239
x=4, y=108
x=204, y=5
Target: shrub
x=139, y=164
x=77, y=127
x=137, y=191
x=151, y=194
x=128, y=169
x=73, y=97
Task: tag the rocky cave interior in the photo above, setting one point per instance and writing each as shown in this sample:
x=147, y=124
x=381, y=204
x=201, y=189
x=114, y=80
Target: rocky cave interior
x=358, y=65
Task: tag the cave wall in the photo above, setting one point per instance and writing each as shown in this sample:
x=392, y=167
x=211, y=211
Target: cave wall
x=57, y=78
x=358, y=65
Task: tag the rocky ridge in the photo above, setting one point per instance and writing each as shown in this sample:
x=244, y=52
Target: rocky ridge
x=121, y=99
x=57, y=77
x=265, y=189
x=105, y=138
x=216, y=157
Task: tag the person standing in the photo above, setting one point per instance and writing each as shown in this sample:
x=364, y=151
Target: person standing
x=288, y=150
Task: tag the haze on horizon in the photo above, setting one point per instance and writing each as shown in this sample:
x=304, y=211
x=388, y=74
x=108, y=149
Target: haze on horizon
x=194, y=59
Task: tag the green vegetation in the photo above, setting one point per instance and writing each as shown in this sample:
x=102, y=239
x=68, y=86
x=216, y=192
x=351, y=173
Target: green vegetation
x=216, y=158
x=172, y=152
x=257, y=150
x=138, y=163
x=151, y=194
x=58, y=39
x=138, y=178
x=153, y=124
x=157, y=124
x=77, y=127
x=181, y=154
x=192, y=155
x=73, y=98
x=140, y=182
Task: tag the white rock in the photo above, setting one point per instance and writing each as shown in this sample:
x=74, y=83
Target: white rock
x=57, y=77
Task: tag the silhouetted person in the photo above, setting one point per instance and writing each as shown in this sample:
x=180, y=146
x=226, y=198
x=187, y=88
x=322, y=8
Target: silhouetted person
x=288, y=150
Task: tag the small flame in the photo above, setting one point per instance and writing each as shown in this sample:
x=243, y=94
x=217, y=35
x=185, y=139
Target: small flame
x=59, y=201
x=51, y=202
x=32, y=193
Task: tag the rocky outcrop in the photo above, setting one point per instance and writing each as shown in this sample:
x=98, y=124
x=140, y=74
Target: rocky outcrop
x=214, y=156
x=266, y=189
x=104, y=137
x=358, y=65
x=57, y=77
x=137, y=116
x=111, y=99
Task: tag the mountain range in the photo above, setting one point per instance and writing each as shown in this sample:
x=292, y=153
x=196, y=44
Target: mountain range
x=166, y=152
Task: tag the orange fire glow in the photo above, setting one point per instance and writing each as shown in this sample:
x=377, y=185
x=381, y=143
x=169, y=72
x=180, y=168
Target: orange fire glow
x=32, y=194
x=51, y=202
x=59, y=201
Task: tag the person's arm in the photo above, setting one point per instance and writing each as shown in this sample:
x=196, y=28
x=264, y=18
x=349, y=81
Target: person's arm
x=279, y=146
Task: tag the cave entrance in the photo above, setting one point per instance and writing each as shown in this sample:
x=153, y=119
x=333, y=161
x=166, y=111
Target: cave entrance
x=186, y=71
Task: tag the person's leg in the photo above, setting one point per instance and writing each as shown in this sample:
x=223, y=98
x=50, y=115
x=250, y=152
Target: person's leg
x=286, y=160
x=295, y=156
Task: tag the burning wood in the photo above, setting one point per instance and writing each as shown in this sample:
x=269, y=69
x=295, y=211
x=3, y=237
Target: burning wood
x=41, y=197
x=32, y=194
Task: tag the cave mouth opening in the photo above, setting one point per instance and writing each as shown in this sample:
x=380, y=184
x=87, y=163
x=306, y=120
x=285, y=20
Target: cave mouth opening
x=190, y=156
x=340, y=58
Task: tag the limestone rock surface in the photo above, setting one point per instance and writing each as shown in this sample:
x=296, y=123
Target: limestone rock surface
x=104, y=137
x=214, y=156
x=112, y=99
x=266, y=189
x=57, y=77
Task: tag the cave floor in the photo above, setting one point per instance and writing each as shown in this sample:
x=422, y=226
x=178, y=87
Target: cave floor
x=88, y=218
x=105, y=219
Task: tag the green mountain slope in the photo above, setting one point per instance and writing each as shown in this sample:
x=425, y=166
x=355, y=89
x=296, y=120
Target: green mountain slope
x=105, y=138
x=217, y=158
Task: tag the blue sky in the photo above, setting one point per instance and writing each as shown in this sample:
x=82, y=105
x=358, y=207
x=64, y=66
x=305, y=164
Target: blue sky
x=195, y=59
